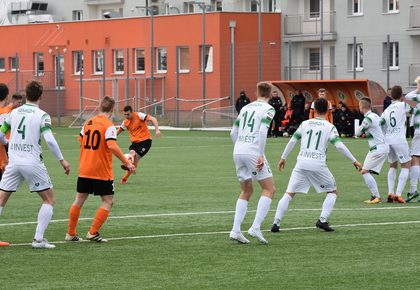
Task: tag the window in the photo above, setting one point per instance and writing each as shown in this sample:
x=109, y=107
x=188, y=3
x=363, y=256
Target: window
x=314, y=9
x=77, y=62
x=254, y=6
x=393, y=6
x=98, y=62
x=118, y=61
x=39, y=63
x=391, y=56
x=139, y=65
x=77, y=15
x=314, y=59
x=13, y=64
x=219, y=5
x=359, y=57
x=356, y=7
x=184, y=60
x=2, y=64
x=188, y=7
x=208, y=58
x=161, y=61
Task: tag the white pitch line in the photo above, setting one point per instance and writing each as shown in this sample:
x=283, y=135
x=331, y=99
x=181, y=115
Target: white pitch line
x=207, y=213
x=227, y=232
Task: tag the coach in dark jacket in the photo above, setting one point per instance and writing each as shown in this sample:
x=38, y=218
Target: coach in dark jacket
x=298, y=107
x=242, y=101
x=277, y=104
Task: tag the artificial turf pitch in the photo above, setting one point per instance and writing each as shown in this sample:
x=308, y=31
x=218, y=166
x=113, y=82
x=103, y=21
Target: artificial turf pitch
x=170, y=223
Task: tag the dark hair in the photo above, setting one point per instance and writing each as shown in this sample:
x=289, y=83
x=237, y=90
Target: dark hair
x=321, y=106
x=396, y=92
x=264, y=90
x=17, y=96
x=128, y=109
x=107, y=104
x=4, y=91
x=34, y=90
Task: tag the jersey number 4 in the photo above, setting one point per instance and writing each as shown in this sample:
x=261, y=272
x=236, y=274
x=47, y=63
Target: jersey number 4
x=22, y=127
x=92, y=142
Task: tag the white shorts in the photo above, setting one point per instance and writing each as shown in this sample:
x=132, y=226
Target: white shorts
x=415, y=146
x=375, y=159
x=399, y=152
x=246, y=167
x=321, y=179
x=35, y=175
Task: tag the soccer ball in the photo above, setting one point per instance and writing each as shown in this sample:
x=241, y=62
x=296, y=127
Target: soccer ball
x=129, y=157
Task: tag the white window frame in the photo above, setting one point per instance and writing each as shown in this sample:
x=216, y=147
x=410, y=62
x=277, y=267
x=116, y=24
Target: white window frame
x=180, y=69
x=76, y=69
x=37, y=70
x=118, y=54
x=314, y=15
x=359, y=11
x=209, y=60
x=159, y=62
x=77, y=15
x=12, y=60
x=2, y=69
x=309, y=59
x=395, y=60
x=136, y=52
x=359, y=57
x=95, y=60
x=395, y=3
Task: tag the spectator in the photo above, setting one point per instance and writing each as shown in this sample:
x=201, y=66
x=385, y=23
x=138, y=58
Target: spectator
x=345, y=124
x=298, y=106
x=307, y=111
x=242, y=101
x=335, y=114
x=322, y=93
x=387, y=99
x=277, y=104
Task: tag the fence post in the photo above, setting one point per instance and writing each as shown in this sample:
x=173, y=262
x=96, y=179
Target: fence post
x=177, y=88
x=17, y=72
x=81, y=86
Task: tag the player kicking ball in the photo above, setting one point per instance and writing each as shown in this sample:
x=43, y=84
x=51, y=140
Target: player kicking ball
x=378, y=149
x=249, y=134
x=311, y=168
x=141, y=139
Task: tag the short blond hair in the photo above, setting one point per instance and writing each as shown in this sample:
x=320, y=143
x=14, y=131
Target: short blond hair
x=264, y=90
x=107, y=104
x=417, y=80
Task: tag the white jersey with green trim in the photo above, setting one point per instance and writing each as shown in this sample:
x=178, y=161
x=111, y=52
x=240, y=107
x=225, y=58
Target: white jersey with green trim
x=415, y=97
x=393, y=122
x=314, y=136
x=26, y=124
x=371, y=127
x=250, y=119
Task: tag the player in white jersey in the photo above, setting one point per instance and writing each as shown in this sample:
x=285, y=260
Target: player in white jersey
x=27, y=124
x=311, y=167
x=249, y=133
x=378, y=149
x=393, y=124
x=415, y=143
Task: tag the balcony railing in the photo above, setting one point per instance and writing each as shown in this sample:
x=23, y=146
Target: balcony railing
x=414, y=71
x=415, y=17
x=308, y=73
x=309, y=24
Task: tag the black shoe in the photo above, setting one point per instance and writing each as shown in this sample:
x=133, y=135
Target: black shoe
x=324, y=226
x=275, y=228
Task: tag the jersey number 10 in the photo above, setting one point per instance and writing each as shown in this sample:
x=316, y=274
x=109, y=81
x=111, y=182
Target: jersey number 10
x=94, y=142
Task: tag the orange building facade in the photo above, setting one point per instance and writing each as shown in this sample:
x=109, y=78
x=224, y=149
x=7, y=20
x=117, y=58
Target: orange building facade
x=122, y=48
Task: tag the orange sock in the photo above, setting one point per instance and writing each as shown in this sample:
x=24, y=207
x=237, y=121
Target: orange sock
x=100, y=218
x=74, y=214
x=127, y=173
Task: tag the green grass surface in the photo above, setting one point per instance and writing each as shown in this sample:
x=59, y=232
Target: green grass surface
x=177, y=212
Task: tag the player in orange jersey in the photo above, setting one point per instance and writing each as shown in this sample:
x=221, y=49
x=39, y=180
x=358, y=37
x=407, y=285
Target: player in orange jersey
x=4, y=110
x=140, y=137
x=97, y=144
x=322, y=93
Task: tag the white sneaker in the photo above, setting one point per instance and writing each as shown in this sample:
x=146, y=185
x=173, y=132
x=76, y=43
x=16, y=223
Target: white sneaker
x=95, y=238
x=74, y=238
x=239, y=237
x=257, y=234
x=43, y=244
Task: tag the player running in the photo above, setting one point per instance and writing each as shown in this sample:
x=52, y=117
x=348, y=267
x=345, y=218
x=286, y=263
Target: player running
x=378, y=149
x=249, y=134
x=97, y=144
x=311, y=167
x=415, y=143
x=27, y=124
x=393, y=123
x=140, y=137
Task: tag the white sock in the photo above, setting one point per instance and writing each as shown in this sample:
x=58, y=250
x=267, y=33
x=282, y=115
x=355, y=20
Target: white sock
x=327, y=207
x=414, y=177
x=371, y=183
x=402, y=180
x=392, y=174
x=240, y=212
x=44, y=217
x=262, y=210
x=282, y=207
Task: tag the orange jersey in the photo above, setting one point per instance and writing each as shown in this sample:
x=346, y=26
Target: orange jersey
x=137, y=127
x=95, y=155
x=328, y=117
